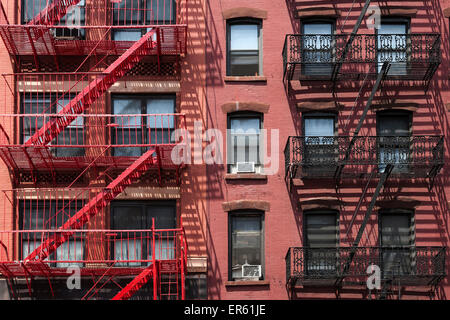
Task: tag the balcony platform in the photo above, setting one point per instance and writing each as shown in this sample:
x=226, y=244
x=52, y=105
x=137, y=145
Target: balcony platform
x=413, y=57
x=43, y=159
x=320, y=157
x=408, y=266
x=40, y=269
x=24, y=40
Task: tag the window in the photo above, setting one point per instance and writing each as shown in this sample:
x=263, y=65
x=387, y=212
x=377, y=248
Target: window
x=50, y=215
x=321, y=241
x=394, y=130
x=31, y=8
x=47, y=104
x=246, y=245
x=397, y=240
x=392, y=45
x=141, y=12
x=133, y=246
x=317, y=47
x=321, y=147
x=244, y=142
x=244, y=48
x=153, y=124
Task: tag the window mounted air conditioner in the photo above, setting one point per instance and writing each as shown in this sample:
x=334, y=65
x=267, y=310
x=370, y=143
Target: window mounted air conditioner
x=251, y=271
x=245, y=167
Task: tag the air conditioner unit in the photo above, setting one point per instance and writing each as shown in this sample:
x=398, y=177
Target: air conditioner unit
x=251, y=271
x=245, y=167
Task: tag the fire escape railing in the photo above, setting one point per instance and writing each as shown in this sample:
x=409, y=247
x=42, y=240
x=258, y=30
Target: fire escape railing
x=414, y=56
x=316, y=157
x=410, y=265
x=53, y=216
x=96, y=246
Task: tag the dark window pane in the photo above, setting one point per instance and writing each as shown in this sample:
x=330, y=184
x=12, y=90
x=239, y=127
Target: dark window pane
x=154, y=128
x=127, y=217
x=128, y=12
x=164, y=215
x=317, y=48
x=73, y=134
x=161, y=11
x=321, y=240
x=138, y=245
x=396, y=239
x=321, y=230
x=46, y=215
x=394, y=142
x=31, y=8
x=34, y=104
x=246, y=243
x=129, y=129
x=244, y=63
x=394, y=125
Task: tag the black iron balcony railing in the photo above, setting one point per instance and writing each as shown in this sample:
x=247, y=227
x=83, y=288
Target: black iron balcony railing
x=409, y=265
x=412, y=56
x=319, y=157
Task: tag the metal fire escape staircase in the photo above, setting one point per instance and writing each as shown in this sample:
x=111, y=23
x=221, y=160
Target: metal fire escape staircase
x=338, y=65
x=381, y=182
x=389, y=167
x=137, y=283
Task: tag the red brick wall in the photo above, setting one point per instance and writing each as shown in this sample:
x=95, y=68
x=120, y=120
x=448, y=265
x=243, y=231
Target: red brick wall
x=283, y=224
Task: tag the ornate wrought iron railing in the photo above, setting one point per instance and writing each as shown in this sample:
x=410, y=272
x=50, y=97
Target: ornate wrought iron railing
x=417, y=156
x=408, y=265
x=413, y=56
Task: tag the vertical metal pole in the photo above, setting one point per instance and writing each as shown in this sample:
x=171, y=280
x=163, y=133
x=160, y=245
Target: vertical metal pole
x=155, y=271
x=183, y=260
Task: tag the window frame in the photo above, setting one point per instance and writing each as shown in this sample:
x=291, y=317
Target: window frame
x=328, y=268
x=243, y=115
x=386, y=113
x=143, y=20
x=78, y=33
x=244, y=21
x=409, y=250
x=398, y=20
x=320, y=114
x=318, y=20
x=312, y=168
x=53, y=97
x=410, y=213
x=144, y=98
x=245, y=213
x=53, y=205
x=144, y=205
x=322, y=211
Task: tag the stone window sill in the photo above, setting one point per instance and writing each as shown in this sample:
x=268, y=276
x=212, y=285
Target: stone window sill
x=245, y=176
x=245, y=79
x=247, y=283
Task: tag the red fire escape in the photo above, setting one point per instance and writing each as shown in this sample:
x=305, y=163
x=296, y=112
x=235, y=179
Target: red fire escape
x=67, y=119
